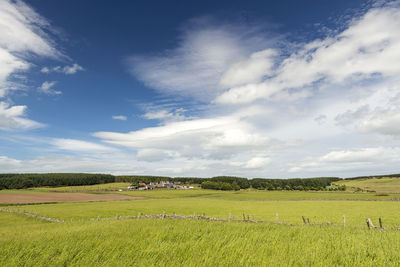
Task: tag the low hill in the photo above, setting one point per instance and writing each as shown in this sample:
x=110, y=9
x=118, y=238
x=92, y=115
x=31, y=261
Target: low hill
x=378, y=184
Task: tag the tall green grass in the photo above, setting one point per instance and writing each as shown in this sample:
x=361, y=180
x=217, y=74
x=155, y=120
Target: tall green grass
x=28, y=242
x=289, y=211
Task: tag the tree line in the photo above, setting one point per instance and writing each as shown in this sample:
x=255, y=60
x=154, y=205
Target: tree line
x=26, y=180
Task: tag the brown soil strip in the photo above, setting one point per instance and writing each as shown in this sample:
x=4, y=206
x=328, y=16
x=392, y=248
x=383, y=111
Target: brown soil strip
x=22, y=198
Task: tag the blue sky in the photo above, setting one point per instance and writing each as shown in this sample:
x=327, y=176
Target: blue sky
x=254, y=89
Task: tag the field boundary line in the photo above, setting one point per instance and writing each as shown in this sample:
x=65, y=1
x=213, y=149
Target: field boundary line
x=32, y=215
x=246, y=219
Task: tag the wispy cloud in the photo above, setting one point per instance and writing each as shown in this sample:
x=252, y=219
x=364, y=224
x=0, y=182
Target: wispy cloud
x=66, y=69
x=327, y=94
x=119, y=117
x=366, y=49
x=24, y=35
x=47, y=88
x=79, y=145
x=13, y=118
x=208, y=49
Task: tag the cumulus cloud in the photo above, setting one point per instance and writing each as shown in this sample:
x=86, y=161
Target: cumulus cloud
x=66, y=69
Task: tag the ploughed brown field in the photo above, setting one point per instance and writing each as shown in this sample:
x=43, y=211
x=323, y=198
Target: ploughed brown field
x=17, y=198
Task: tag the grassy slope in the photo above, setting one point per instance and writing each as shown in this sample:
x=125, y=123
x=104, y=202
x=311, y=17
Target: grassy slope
x=28, y=242
x=383, y=185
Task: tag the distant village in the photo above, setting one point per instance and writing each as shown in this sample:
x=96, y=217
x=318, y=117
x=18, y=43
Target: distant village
x=159, y=185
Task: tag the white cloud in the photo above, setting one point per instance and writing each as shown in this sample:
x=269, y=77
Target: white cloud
x=218, y=138
x=384, y=120
x=13, y=118
x=46, y=88
x=62, y=163
x=152, y=155
x=367, y=49
x=350, y=116
x=24, y=35
x=321, y=96
x=79, y=145
x=251, y=70
x=166, y=114
x=362, y=155
x=208, y=51
x=359, y=160
x=253, y=163
x=257, y=162
x=316, y=108
x=119, y=117
x=66, y=69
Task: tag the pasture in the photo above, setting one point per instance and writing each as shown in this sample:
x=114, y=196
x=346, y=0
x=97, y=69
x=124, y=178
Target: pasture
x=382, y=185
x=29, y=242
x=91, y=233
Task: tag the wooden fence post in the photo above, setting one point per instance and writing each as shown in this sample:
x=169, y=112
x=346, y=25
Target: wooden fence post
x=370, y=224
x=380, y=223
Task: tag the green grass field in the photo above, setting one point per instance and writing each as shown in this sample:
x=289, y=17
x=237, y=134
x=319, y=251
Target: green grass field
x=84, y=188
x=383, y=185
x=150, y=242
x=356, y=212
x=80, y=241
x=260, y=195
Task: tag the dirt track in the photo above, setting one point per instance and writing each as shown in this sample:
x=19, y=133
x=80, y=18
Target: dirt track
x=17, y=198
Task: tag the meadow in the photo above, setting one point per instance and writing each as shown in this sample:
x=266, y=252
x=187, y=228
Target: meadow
x=290, y=212
x=87, y=238
x=149, y=242
x=381, y=185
